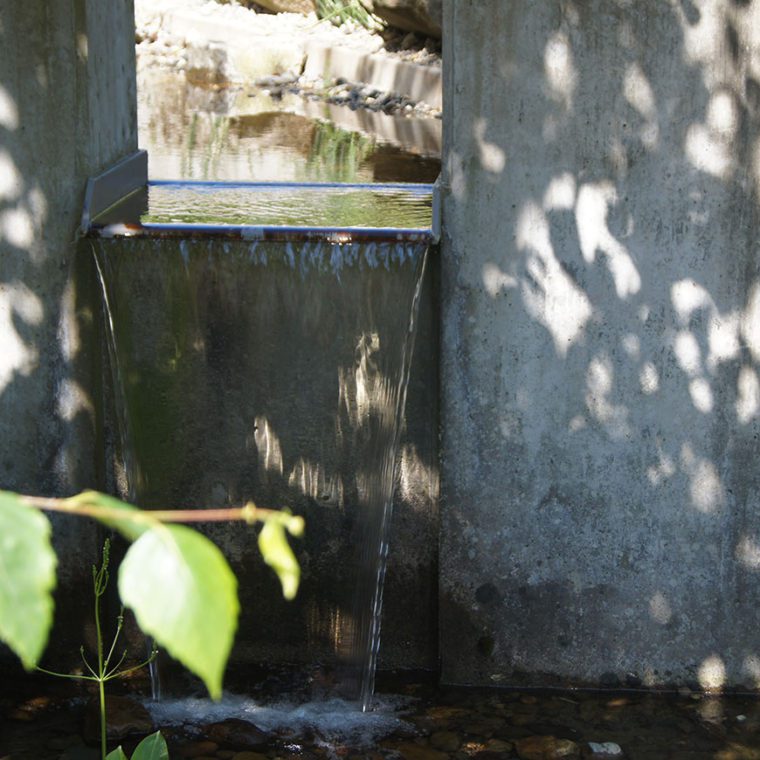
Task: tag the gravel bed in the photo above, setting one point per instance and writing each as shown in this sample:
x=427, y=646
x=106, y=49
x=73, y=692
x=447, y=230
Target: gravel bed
x=158, y=47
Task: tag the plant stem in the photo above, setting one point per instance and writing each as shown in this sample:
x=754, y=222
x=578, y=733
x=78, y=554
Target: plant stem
x=249, y=513
x=102, y=691
x=99, y=589
x=72, y=676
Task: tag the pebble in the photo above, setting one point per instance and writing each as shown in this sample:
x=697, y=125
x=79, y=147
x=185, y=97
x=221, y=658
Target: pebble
x=197, y=749
x=237, y=733
x=546, y=748
x=411, y=751
x=63, y=742
x=124, y=717
x=21, y=715
x=248, y=755
x=498, y=745
x=446, y=741
x=603, y=750
x=81, y=752
x=736, y=751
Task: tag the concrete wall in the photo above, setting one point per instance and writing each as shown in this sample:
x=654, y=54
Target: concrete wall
x=601, y=339
x=67, y=110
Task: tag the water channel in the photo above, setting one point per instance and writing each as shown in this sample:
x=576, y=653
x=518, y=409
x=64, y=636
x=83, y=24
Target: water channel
x=203, y=135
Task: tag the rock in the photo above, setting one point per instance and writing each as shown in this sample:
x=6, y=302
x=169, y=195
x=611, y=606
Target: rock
x=289, y=6
x=198, y=749
x=603, y=750
x=248, y=755
x=485, y=727
x=424, y=16
x=736, y=751
x=63, y=742
x=412, y=751
x=237, y=734
x=124, y=717
x=21, y=715
x=498, y=745
x=546, y=748
x=446, y=741
x=81, y=752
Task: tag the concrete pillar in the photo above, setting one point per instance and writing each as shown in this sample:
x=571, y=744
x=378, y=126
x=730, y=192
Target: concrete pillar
x=601, y=340
x=67, y=110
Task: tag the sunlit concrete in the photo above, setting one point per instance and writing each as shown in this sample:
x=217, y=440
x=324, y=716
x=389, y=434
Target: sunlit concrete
x=600, y=342
x=67, y=111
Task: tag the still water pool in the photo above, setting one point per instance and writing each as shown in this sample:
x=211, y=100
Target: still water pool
x=199, y=133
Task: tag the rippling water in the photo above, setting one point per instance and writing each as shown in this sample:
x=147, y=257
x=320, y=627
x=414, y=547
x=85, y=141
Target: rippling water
x=199, y=133
x=288, y=206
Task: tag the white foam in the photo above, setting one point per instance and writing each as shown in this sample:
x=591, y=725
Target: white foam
x=333, y=721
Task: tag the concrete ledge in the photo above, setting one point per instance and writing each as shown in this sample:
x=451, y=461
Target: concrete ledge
x=419, y=83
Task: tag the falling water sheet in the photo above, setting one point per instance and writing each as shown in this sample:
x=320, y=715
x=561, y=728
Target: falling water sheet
x=283, y=367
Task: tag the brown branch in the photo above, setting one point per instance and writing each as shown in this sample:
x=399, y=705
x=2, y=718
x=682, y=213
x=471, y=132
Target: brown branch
x=250, y=513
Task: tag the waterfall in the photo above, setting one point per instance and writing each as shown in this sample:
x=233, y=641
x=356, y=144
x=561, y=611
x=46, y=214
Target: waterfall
x=275, y=372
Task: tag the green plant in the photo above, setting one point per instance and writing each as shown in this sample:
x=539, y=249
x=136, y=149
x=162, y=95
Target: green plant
x=152, y=747
x=175, y=580
x=104, y=672
x=340, y=11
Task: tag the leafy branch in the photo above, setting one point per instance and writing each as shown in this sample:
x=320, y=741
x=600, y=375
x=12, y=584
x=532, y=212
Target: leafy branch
x=175, y=580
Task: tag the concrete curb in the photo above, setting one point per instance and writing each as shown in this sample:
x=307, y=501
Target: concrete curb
x=419, y=83
x=221, y=51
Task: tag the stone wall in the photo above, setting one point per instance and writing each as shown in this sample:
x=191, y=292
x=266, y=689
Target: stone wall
x=600, y=342
x=67, y=111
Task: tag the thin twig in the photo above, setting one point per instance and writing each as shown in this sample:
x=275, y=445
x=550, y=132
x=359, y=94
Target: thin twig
x=126, y=672
x=113, y=672
x=250, y=513
x=66, y=675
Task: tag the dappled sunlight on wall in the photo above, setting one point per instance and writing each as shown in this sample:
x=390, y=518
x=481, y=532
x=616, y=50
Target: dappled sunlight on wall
x=549, y=293
x=17, y=303
x=602, y=333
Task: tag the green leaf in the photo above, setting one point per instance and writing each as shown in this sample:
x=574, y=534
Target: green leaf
x=132, y=526
x=27, y=578
x=276, y=551
x=152, y=747
x=184, y=594
x=117, y=754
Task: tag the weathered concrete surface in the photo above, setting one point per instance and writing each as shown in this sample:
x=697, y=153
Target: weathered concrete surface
x=67, y=110
x=601, y=335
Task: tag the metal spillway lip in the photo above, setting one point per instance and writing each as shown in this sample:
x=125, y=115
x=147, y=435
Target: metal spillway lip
x=414, y=187
x=119, y=203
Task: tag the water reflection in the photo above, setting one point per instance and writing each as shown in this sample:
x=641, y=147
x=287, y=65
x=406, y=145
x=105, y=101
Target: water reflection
x=193, y=132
